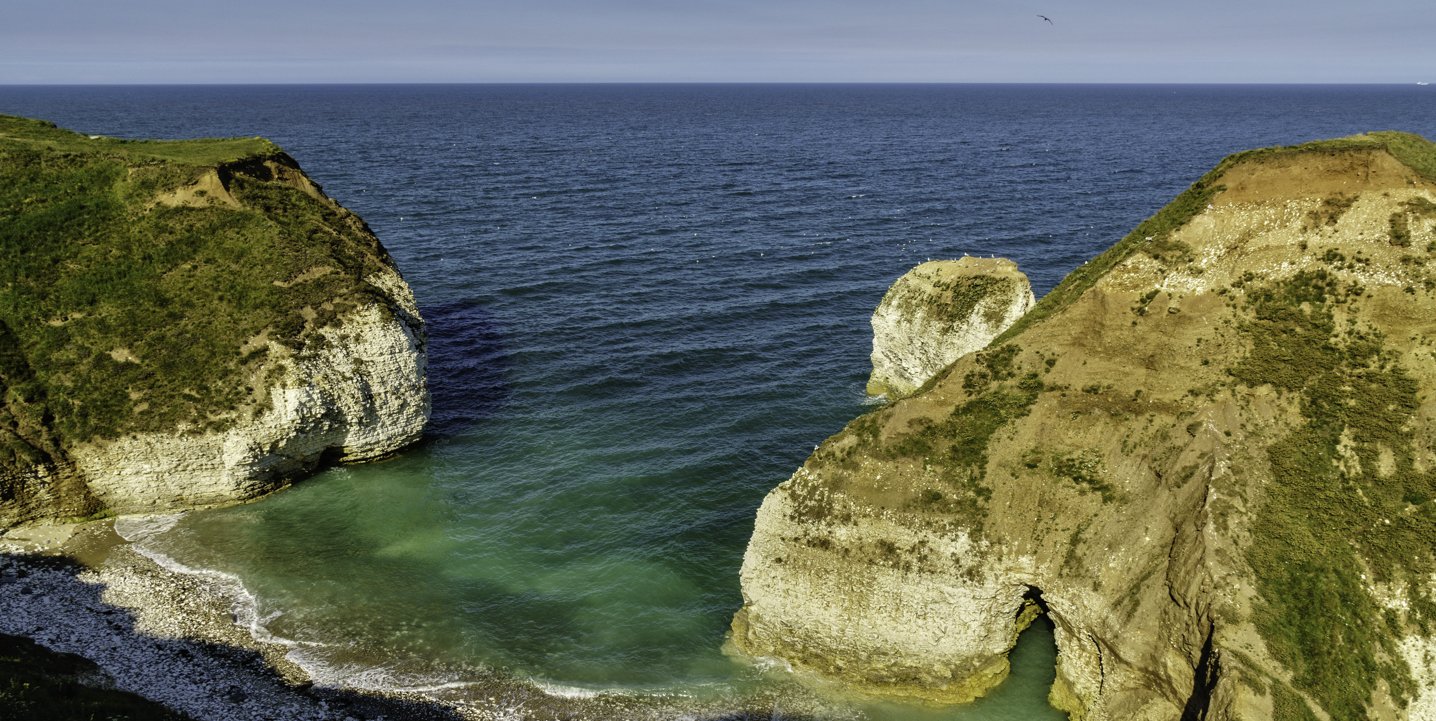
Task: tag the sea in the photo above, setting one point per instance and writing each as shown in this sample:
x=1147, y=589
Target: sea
x=646, y=305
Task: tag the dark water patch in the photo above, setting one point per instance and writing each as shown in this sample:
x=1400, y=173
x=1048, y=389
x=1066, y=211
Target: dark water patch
x=468, y=365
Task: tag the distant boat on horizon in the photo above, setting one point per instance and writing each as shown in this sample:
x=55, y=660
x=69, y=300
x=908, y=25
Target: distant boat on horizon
x=1421, y=83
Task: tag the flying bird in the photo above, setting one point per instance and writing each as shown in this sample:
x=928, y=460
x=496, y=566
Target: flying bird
x=1049, y=20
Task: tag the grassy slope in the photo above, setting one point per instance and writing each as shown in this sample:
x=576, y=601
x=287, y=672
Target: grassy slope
x=1320, y=529
x=1327, y=523
x=1320, y=526
x=120, y=315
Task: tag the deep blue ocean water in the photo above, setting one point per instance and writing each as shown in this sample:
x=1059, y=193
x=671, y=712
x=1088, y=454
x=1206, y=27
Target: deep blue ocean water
x=646, y=305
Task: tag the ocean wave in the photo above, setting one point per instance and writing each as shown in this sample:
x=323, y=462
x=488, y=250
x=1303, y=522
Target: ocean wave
x=244, y=605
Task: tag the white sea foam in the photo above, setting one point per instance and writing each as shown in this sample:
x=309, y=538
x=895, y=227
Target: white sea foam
x=562, y=691
x=244, y=605
x=313, y=657
x=772, y=663
x=370, y=678
x=138, y=528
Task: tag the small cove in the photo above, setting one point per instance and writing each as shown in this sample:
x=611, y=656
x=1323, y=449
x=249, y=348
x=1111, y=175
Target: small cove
x=646, y=306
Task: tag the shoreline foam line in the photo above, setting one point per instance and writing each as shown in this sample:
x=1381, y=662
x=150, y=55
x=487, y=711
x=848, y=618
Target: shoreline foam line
x=245, y=606
x=245, y=610
x=170, y=633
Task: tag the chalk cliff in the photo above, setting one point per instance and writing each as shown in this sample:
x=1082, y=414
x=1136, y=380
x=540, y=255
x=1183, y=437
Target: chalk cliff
x=938, y=312
x=187, y=323
x=1208, y=455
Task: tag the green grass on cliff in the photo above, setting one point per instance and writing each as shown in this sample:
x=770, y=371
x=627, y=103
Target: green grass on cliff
x=44, y=136
x=119, y=314
x=954, y=300
x=1347, y=503
x=956, y=445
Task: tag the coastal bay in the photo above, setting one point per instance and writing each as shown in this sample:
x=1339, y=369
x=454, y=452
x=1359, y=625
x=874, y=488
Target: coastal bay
x=639, y=327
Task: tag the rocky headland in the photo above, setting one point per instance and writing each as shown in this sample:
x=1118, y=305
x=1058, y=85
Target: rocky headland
x=182, y=324
x=187, y=323
x=1208, y=456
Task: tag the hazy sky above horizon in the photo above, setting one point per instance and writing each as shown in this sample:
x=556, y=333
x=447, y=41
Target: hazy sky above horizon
x=320, y=41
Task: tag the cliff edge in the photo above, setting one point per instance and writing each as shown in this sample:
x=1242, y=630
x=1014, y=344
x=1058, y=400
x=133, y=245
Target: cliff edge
x=1208, y=455
x=187, y=323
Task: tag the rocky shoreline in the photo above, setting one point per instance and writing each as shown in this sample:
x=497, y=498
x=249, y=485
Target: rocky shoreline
x=184, y=640
x=166, y=636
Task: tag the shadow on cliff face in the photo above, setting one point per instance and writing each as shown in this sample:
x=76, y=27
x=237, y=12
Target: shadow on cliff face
x=467, y=365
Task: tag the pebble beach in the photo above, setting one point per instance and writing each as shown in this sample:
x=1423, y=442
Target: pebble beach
x=188, y=642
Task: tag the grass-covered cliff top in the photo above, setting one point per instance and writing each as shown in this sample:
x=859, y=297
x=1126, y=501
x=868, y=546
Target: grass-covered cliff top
x=1269, y=336
x=207, y=151
x=138, y=280
x=1152, y=235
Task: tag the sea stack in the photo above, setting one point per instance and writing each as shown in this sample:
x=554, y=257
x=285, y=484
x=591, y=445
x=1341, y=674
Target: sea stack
x=938, y=312
x=1208, y=456
x=187, y=323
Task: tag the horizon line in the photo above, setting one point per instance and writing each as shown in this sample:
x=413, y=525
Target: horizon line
x=360, y=83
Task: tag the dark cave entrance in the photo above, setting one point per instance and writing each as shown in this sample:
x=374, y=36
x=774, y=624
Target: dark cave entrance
x=1033, y=662
x=1031, y=599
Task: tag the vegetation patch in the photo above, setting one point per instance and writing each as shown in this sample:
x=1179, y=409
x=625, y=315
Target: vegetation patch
x=1412, y=211
x=955, y=300
x=1140, y=307
x=122, y=315
x=1400, y=230
x=1329, y=212
x=1346, y=499
x=1288, y=706
x=955, y=446
x=1083, y=469
x=1168, y=251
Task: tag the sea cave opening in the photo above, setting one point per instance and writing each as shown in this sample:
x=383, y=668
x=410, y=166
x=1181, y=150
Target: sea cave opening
x=1022, y=696
x=1033, y=669
x=1033, y=606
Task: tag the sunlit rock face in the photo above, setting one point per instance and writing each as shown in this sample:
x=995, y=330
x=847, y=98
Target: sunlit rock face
x=1209, y=455
x=941, y=311
x=188, y=323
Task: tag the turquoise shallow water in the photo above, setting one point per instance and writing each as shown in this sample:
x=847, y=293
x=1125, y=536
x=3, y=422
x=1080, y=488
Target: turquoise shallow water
x=646, y=305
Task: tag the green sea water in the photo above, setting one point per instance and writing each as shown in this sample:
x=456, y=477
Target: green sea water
x=389, y=592
x=375, y=580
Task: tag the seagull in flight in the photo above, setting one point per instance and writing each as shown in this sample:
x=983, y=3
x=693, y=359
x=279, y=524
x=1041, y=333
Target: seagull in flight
x=1049, y=20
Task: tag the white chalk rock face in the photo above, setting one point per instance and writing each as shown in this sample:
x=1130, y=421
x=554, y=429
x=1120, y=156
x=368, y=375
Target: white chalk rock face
x=941, y=311
x=935, y=624
x=273, y=336
x=359, y=395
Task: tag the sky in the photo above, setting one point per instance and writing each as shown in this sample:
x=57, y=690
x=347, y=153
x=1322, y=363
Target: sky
x=508, y=41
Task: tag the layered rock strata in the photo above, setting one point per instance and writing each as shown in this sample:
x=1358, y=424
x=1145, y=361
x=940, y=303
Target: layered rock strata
x=1209, y=456
x=938, y=312
x=188, y=323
